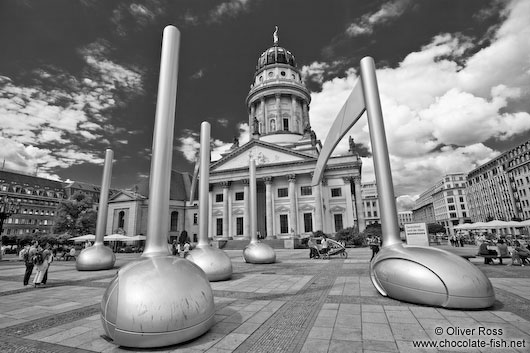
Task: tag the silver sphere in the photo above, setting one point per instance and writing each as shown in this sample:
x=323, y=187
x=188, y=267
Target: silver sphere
x=430, y=276
x=96, y=257
x=214, y=262
x=156, y=302
x=259, y=253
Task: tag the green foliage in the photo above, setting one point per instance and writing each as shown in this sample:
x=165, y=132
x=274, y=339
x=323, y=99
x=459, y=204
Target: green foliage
x=352, y=236
x=373, y=230
x=75, y=216
x=433, y=228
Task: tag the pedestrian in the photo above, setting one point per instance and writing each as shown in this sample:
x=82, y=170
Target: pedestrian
x=186, y=248
x=174, y=247
x=48, y=257
x=324, y=246
x=313, y=250
x=29, y=252
x=374, y=245
x=502, y=250
x=42, y=266
x=183, y=238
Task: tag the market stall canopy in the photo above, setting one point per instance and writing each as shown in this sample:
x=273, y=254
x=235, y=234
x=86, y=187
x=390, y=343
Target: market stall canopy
x=116, y=237
x=90, y=237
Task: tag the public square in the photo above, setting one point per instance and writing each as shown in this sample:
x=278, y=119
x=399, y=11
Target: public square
x=294, y=305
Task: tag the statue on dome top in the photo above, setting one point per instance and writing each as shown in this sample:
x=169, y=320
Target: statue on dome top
x=275, y=36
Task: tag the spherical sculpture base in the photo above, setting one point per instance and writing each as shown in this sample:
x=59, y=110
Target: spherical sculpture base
x=259, y=253
x=214, y=262
x=95, y=258
x=156, y=302
x=430, y=276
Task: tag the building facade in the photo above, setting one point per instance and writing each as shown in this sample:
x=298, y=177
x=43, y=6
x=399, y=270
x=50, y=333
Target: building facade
x=285, y=150
x=444, y=203
x=370, y=204
x=405, y=217
x=38, y=199
x=500, y=188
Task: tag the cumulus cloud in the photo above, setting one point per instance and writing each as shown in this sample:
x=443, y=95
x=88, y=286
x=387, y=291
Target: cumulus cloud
x=441, y=104
x=388, y=11
x=189, y=143
x=228, y=9
x=58, y=110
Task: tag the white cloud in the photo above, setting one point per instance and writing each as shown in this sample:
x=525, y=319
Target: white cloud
x=388, y=11
x=227, y=9
x=439, y=106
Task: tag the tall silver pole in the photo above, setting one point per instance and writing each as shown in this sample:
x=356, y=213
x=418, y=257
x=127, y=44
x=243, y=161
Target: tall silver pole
x=253, y=203
x=104, y=198
x=383, y=175
x=204, y=176
x=158, y=214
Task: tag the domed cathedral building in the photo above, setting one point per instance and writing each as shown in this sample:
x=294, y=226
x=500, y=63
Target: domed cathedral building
x=286, y=150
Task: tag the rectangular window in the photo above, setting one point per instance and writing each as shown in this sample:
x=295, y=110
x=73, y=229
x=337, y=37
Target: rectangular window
x=306, y=190
x=286, y=124
x=240, y=196
x=336, y=192
x=218, y=197
x=308, y=222
x=239, y=225
x=284, y=224
x=283, y=192
x=338, y=222
x=451, y=207
x=195, y=218
x=219, y=228
x=450, y=200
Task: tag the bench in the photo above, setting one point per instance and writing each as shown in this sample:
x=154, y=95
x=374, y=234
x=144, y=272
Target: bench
x=467, y=257
x=494, y=257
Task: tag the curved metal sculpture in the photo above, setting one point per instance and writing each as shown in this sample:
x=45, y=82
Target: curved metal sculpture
x=98, y=256
x=214, y=262
x=256, y=252
x=414, y=274
x=159, y=300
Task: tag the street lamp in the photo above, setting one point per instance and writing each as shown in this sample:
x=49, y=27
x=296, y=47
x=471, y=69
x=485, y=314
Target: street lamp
x=8, y=206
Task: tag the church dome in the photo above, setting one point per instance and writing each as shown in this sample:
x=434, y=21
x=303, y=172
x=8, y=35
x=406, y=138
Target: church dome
x=275, y=55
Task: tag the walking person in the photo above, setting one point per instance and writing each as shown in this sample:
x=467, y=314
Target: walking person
x=42, y=266
x=374, y=245
x=48, y=256
x=183, y=239
x=29, y=252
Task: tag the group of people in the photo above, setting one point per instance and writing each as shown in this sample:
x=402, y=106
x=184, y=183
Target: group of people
x=457, y=240
x=36, y=256
x=182, y=245
x=520, y=254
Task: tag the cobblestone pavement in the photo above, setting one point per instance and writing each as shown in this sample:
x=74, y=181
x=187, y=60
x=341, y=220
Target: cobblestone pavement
x=293, y=305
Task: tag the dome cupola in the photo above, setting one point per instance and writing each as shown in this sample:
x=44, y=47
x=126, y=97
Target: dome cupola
x=278, y=101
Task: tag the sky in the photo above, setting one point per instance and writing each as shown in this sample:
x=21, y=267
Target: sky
x=77, y=77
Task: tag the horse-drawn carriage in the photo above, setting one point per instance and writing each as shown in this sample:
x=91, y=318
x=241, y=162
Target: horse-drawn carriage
x=334, y=248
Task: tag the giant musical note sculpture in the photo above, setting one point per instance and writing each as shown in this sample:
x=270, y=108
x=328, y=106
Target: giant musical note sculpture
x=98, y=256
x=160, y=299
x=409, y=273
x=214, y=262
x=256, y=252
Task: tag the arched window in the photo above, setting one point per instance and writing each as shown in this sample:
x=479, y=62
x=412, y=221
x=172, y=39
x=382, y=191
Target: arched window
x=273, y=125
x=121, y=219
x=174, y=221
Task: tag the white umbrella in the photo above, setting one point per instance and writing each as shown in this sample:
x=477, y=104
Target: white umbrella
x=136, y=238
x=85, y=237
x=116, y=237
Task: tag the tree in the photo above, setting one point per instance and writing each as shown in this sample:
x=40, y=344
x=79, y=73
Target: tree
x=373, y=230
x=75, y=216
x=433, y=228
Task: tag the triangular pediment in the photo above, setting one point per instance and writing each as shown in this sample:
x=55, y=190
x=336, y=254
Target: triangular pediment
x=262, y=152
x=123, y=196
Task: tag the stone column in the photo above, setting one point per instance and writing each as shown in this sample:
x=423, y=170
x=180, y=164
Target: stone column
x=264, y=112
x=305, y=113
x=246, y=214
x=317, y=192
x=278, y=113
x=293, y=212
x=211, y=229
x=268, y=205
x=347, y=188
x=293, y=114
x=226, y=211
x=359, y=203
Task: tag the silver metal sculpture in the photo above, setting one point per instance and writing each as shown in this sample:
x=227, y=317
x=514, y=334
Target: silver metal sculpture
x=160, y=299
x=256, y=252
x=98, y=256
x=409, y=273
x=214, y=262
